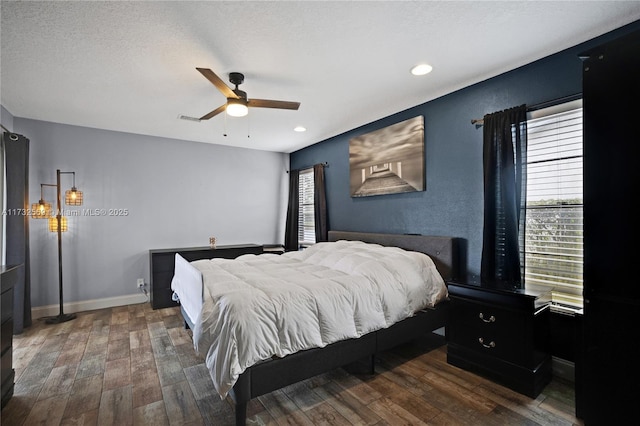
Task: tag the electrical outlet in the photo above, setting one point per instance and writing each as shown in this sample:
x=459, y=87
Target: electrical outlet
x=140, y=283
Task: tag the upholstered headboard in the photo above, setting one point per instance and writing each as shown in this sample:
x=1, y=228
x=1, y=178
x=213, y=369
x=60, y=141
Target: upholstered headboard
x=443, y=250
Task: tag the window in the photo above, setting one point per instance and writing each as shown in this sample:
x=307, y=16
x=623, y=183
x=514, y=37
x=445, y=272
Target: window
x=306, y=217
x=553, y=243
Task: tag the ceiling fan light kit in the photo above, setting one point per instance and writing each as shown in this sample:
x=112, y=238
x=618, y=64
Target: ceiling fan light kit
x=238, y=104
x=237, y=107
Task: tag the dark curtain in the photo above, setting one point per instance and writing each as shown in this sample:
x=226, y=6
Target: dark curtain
x=320, y=203
x=16, y=150
x=291, y=229
x=504, y=159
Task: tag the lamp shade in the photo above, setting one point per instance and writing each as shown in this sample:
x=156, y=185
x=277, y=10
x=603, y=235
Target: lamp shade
x=53, y=224
x=237, y=107
x=73, y=197
x=41, y=210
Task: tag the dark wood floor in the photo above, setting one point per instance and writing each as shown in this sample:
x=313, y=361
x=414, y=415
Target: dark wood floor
x=136, y=366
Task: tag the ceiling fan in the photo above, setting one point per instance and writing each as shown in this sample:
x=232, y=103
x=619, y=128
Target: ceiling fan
x=237, y=104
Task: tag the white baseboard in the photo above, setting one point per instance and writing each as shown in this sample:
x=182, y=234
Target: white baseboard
x=88, y=305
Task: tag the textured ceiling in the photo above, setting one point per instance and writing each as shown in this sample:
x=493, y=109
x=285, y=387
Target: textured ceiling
x=131, y=66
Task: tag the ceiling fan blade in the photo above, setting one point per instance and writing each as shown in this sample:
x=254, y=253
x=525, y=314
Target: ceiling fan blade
x=214, y=112
x=267, y=103
x=217, y=81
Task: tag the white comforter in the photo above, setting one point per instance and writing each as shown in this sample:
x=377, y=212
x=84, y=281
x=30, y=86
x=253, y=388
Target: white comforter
x=257, y=307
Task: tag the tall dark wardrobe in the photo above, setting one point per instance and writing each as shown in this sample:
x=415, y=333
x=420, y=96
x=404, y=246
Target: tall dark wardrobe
x=608, y=379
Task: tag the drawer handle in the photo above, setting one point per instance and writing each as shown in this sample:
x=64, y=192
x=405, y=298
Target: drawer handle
x=491, y=318
x=491, y=344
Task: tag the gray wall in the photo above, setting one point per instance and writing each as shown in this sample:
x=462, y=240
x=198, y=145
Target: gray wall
x=6, y=119
x=177, y=193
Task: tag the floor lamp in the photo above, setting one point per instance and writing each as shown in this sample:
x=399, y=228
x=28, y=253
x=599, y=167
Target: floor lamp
x=57, y=224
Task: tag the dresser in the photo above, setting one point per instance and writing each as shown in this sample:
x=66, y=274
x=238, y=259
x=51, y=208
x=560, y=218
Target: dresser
x=162, y=265
x=8, y=279
x=501, y=334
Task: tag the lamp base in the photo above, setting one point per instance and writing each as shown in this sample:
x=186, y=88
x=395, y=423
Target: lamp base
x=60, y=318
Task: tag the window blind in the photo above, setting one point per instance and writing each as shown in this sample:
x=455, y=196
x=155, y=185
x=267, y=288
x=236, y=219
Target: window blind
x=306, y=216
x=553, y=243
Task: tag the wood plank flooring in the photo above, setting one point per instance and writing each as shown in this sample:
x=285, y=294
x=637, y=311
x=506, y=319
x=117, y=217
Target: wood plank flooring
x=132, y=365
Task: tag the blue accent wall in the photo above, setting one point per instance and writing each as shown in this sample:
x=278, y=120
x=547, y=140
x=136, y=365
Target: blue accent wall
x=452, y=203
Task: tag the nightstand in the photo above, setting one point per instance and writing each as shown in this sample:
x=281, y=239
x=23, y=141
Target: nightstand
x=502, y=334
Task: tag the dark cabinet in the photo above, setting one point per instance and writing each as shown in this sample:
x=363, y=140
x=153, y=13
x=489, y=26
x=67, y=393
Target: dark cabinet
x=8, y=279
x=502, y=334
x=608, y=373
x=162, y=264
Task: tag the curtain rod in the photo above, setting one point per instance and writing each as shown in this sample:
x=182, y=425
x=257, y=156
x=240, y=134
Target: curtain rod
x=480, y=121
x=325, y=164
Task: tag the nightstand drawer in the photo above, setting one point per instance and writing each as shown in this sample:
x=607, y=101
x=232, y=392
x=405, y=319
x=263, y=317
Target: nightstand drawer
x=490, y=318
x=7, y=305
x=490, y=341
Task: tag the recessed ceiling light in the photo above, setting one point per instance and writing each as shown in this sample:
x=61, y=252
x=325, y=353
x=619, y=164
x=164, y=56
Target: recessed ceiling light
x=421, y=69
x=300, y=129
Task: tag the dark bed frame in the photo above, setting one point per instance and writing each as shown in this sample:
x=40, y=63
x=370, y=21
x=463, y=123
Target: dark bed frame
x=275, y=374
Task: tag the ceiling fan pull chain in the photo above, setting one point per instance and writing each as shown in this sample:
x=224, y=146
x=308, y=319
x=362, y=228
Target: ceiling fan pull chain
x=225, y=125
x=249, y=126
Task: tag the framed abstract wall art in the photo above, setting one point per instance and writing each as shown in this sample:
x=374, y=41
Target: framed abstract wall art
x=389, y=160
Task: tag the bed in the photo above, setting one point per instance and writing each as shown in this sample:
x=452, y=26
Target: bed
x=247, y=358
